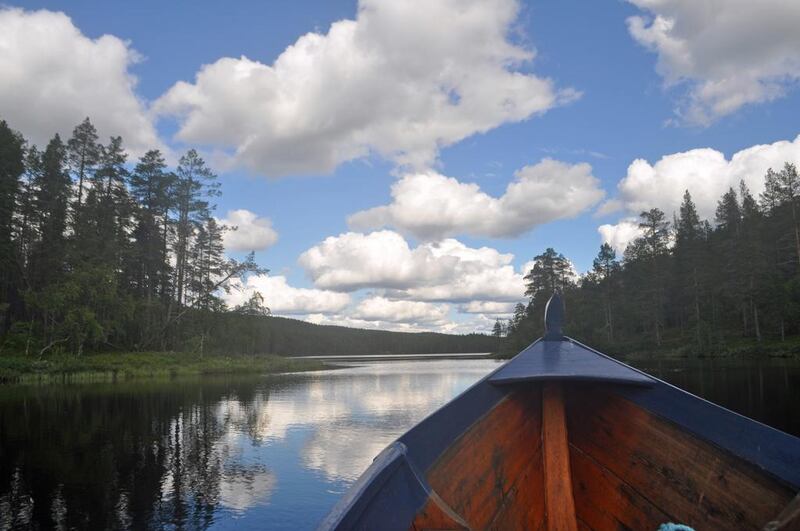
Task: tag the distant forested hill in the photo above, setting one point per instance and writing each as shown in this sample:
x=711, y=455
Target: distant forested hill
x=99, y=253
x=250, y=334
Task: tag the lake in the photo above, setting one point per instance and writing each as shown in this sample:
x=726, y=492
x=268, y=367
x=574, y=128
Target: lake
x=266, y=452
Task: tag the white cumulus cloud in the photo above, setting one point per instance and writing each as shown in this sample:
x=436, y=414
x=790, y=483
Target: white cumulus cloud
x=729, y=53
x=706, y=173
x=432, y=206
x=351, y=322
x=53, y=77
x=252, y=233
x=443, y=271
x=400, y=311
x=402, y=79
x=488, y=307
x=620, y=234
x=282, y=298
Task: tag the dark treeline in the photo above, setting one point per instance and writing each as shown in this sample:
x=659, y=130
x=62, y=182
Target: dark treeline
x=291, y=336
x=99, y=253
x=698, y=285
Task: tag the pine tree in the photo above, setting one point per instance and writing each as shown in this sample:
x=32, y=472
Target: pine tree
x=729, y=213
x=26, y=222
x=788, y=190
x=497, y=331
x=653, y=243
x=208, y=264
x=150, y=186
x=688, y=253
x=83, y=155
x=605, y=268
x=11, y=168
x=195, y=184
x=551, y=272
x=753, y=256
x=254, y=306
x=52, y=192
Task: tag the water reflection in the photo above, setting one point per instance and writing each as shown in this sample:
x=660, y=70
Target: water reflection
x=260, y=452
x=356, y=413
x=214, y=453
x=766, y=390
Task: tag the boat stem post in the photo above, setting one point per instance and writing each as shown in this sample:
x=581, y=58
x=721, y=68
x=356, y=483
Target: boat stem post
x=559, y=502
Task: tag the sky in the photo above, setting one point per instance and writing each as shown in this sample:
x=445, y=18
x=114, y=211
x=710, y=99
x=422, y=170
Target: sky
x=398, y=164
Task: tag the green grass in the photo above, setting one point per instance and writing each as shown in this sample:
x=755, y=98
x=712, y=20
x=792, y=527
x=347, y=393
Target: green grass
x=130, y=365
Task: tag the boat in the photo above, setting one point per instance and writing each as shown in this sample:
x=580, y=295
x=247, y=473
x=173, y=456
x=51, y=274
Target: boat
x=563, y=437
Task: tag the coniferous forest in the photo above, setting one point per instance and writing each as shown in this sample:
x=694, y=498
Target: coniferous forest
x=686, y=284
x=99, y=253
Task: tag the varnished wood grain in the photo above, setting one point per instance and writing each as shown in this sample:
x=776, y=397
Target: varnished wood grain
x=492, y=475
x=557, y=477
x=435, y=515
x=685, y=478
x=605, y=502
x=524, y=504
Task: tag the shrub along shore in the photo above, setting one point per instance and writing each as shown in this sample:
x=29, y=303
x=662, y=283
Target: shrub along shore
x=131, y=365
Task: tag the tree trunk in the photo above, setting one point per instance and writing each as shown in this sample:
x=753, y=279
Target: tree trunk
x=755, y=323
x=80, y=184
x=696, y=305
x=744, y=320
x=796, y=231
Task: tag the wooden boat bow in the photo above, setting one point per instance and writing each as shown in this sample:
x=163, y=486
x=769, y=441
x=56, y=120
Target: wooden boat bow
x=563, y=437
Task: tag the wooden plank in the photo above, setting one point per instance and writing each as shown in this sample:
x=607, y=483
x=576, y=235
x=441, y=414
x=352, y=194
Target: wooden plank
x=436, y=516
x=605, y=502
x=557, y=477
x=524, y=503
x=692, y=481
x=477, y=476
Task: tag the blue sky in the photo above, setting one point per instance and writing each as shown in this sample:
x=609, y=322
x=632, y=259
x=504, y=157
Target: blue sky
x=421, y=102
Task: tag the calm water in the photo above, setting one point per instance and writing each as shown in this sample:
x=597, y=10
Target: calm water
x=258, y=452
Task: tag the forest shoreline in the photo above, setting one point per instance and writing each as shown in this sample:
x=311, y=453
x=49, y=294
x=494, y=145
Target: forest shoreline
x=68, y=368
x=745, y=350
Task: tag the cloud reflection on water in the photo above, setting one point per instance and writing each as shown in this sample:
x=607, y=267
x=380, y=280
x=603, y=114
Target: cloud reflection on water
x=354, y=413
x=213, y=453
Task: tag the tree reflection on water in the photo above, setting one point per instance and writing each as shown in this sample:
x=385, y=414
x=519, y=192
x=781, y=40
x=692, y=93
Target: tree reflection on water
x=268, y=452
x=127, y=455
x=201, y=453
